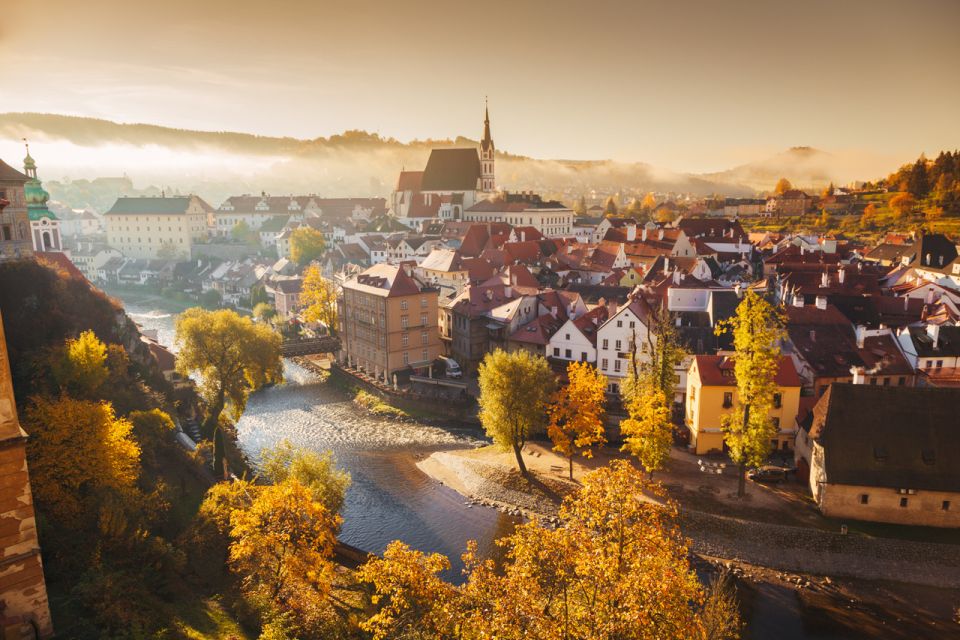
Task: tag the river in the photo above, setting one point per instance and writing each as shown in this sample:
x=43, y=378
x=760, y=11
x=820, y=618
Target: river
x=391, y=499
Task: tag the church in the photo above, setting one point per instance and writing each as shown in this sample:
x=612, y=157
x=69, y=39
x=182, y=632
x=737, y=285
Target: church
x=453, y=181
x=27, y=226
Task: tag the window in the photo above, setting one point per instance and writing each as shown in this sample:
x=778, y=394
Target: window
x=423, y=303
x=568, y=337
x=405, y=339
x=583, y=356
x=556, y=352
x=616, y=365
x=777, y=400
x=939, y=364
x=864, y=498
x=776, y=422
x=873, y=381
x=620, y=323
x=903, y=502
x=945, y=505
x=604, y=363
x=423, y=319
x=727, y=399
x=424, y=356
x=619, y=345
x=406, y=358
x=403, y=305
x=606, y=343
x=566, y=353
x=902, y=381
x=424, y=337
x=404, y=321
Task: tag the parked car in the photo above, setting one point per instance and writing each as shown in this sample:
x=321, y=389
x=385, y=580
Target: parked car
x=768, y=473
x=444, y=366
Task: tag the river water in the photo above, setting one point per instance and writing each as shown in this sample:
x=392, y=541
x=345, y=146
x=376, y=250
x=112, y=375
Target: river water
x=390, y=498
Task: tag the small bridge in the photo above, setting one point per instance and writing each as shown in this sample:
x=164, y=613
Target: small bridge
x=310, y=346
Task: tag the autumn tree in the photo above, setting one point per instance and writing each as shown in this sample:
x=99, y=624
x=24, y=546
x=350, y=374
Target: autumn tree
x=318, y=296
x=649, y=202
x=902, y=204
x=264, y=312
x=610, y=206
x=306, y=245
x=76, y=449
x=648, y=394
x=783, y=185
x=317, y=472
x=828, y=191
x=81, y=368
x=617, y=567
x=231, y=356
x=576, y=415
x=515, y=389
x=757, y=329
x=282, y=545
x=824, y=220
x=151, y=429
x=869, y=216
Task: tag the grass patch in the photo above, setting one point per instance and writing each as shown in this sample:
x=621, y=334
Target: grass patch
x=205, y=618
x=376, y=406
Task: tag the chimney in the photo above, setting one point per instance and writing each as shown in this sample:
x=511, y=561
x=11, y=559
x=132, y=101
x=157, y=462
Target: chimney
x=861, y=335
x=660, y=234
x=644, y=233
x=508, y=291
x=553, y=311
x=933, y=330
x=822, y=303
x=631, y=232
x=840, y=274
x=813, y=335
x=676, y=276
x=407, y=270
x=513, y=280
x=825, y=280
x=858, y=377
x=666, y=264
x=612, y=308
x=797, y=300
x=523, y=236
x=929, y=295
x=906, y=303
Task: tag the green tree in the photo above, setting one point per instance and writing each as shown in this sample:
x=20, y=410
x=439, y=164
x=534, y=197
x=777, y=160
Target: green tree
x=264, y=312
x=917, y=183
x=515, y=389
x=231, y=356
x=317, y=472
x=610, y=206
x=151, y=429
x=757, y=331
x=306, y=245
x=210, y=299
x=242, y=232
x=576, y=415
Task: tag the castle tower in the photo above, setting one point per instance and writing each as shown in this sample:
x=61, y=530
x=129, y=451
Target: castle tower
x=488, y=183
x=44, y=226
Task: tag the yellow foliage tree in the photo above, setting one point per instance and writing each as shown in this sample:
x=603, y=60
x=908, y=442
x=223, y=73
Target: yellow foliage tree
x=82, y=369
x=902, y=204
x=649, y=201
x=76, y=448
x=514, y=391
x=869, y=216
x=617, y=567
x=648, y=430
x=282, y=545
x=319, y=298
x=757, y=329
x=306, y=244
x=783, y=185
x=576, y=415
x=318, y=472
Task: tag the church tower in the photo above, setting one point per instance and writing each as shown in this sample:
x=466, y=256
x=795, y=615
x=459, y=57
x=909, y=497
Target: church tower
x=488, y=183
x=44, y=226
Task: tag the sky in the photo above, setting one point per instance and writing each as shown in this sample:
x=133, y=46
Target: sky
x=690, y=85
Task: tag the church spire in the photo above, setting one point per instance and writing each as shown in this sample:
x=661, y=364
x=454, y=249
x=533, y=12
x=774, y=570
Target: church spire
x=487, y=140
x=487, y=152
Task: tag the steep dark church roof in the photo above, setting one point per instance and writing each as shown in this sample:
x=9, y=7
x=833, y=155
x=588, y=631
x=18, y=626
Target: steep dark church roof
x=9, y=173
x=451, y=170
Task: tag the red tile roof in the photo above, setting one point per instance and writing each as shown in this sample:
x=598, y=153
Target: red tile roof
x=718, y=371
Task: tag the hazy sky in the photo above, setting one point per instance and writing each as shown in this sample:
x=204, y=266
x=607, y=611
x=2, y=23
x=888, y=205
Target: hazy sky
x=693, y=85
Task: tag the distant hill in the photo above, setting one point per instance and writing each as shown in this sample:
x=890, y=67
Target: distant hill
x=354, y=163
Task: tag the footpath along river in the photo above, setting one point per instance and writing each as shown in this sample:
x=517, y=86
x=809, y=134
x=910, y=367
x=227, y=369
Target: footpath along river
x=391, y=499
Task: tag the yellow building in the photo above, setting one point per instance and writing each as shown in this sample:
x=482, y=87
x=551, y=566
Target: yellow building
x=712, y=393
x=388, y=321
x=151, y=228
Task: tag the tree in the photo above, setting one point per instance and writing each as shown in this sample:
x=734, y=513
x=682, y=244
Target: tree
x=869, y=216
x=649, y=391
x=514, y=391
x=210, y=299
x=610, y=206
x=576, y=415
x=617, y=567
x=747, y=430
x=828, y=191
x=151, y=429
x=902, y=204
x=306, y=245
x=264, y=312
x=917, y=183
x=783, y=185
x=231, y=357
x=318, y=296
x=242, y=232
x=649, y=202
x=282, y=546
x=666, y=215
x=825, y=220
x=167, y=251
x=581, y=207
x=78, y=448
x=317, y=472
x=82, y=367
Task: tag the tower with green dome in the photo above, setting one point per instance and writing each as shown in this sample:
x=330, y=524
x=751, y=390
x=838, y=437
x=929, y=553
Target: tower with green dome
x=44, y=226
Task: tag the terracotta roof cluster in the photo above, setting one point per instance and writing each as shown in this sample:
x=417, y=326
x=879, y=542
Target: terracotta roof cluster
x=718, y=371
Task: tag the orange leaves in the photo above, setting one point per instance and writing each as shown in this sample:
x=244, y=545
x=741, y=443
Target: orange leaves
x=576, y=415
